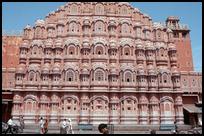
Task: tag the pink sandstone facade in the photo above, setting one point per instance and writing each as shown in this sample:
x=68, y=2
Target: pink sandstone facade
x=98, y=63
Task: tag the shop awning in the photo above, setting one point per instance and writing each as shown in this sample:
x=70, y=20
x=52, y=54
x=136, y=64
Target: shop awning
x=191, y=108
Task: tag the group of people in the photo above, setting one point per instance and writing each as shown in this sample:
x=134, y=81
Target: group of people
x=14, y=126
x=66, y=127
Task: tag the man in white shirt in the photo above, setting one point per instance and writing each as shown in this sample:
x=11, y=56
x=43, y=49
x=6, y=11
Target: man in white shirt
x=10, y=125
x=41, y=125
x=64, y=126
x=69, y=129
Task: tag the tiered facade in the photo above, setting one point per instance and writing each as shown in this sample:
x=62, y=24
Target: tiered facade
x=98, y=63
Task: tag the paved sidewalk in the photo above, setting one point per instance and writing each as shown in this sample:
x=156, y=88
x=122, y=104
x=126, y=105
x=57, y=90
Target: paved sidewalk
x=29, y=131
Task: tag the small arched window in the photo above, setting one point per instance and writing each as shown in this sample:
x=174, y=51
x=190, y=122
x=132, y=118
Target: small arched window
x=72, y=50
x=159, y=34
x=99, y=76
x=167, y=107
x=31, y=76
x=74, y=9
x=124, y=10
x=37, y=32
x=165, y=78
x=128, y=77
x=70, y=76
x=35, y=50
x=99, y=26
x=73, y=27
x=99, y=50
x=127, y=51
x=99, y=9
x=162, y=52
x=60, y=30
x=125, y=29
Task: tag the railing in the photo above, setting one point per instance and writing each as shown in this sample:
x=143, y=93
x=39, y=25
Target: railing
x=99, y=83
x=71, y=56
x=35, y=56
x=70, y=83
x=96, y=56
x=99, y=34
x=127, y=57
x=162, y=59
x=19, y=82
x=152, y=85
x=140, y=57
x=47, y=56
x=113, y=57
x=114, y=83
x=150, y=58
x=45, y=83
x=128, y=84
x=73, y=34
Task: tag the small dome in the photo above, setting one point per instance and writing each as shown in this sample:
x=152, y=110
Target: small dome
x=45, y=69
x=150, y=47
x=151, y=70
x=112, y=22
x=20, y=69
x=85, y=71
x=58, y=43
x=172, y=47
x=169, y=30
x=136, y=10
x=27, y=26
x=25, y=44
x=157, y=25
x=86, y=21
x=113, y=71
x=39, y=22
x=85, y=43
x=113, y=44
x=146, y=15
x=175, y=73
x=140, y=70
x=139, y=46
x=48, y=43
x=50, y=25
x=56, y=69
x=124, y=3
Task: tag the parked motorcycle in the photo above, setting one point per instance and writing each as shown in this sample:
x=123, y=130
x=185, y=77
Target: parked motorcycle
x=14, y=129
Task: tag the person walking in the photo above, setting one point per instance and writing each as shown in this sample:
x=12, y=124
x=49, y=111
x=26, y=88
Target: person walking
x=46, y=126
x=64, y=126
x=41, y=126
x=69, y=128
x=176, y=128
x=22, y=125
